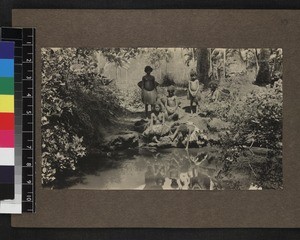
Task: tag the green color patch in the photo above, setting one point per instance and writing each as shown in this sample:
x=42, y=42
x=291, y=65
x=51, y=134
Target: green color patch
x=7, y=85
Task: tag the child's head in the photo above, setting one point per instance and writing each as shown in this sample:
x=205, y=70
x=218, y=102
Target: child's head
x=193, y=74
x=171, y=90
x=157, y=107
x=148, y=69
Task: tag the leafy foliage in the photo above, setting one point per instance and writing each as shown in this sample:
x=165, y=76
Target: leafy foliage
x=254, y=115
x=74, y=98
x=119, y=56
x=190, y=55
x=131, y=99
x=257, y=118
x=156, y=56
x=256, y=121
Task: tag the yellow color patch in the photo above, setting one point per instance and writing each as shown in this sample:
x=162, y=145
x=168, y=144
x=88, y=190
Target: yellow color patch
x=7, y=103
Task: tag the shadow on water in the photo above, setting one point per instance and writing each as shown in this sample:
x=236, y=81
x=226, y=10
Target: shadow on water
x=96, y=163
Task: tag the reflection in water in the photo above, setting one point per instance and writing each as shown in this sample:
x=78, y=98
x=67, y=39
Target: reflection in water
x=181, y=171
x=148, y=169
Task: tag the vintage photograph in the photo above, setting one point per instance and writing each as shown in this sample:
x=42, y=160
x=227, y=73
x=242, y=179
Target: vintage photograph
x=162, y=118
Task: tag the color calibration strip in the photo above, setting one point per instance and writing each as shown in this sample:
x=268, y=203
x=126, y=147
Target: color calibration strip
x=24, y=39
x=15, y=35
x=7, y=126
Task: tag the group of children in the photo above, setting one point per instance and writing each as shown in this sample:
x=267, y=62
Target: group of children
x=166, y=110
x=170, y=105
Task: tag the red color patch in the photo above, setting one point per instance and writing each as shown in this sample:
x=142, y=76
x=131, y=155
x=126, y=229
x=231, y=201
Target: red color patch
x=7, y=121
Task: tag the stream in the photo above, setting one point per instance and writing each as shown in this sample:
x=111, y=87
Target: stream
x=152, y=169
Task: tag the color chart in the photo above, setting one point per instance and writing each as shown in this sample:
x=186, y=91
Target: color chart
x=24, y=40
x=7, y=120
x=15, y=35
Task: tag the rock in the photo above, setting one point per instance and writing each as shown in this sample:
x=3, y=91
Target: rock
x=199, y=122
x=217, y=124
x=152, y=144
x=165, y=142
x=122, y=141
x=140, y=125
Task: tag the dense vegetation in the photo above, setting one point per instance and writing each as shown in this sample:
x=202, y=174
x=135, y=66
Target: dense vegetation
x=74, y=97
x=256, y=122
x=78, y=101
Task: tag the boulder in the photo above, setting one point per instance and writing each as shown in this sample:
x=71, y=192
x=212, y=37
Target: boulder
x=140, y=125
x=199, y=122
x=165, y=142
x=122, y=141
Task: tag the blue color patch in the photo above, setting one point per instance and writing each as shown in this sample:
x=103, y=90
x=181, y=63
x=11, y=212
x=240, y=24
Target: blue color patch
x=7, y=50
x=6, y=68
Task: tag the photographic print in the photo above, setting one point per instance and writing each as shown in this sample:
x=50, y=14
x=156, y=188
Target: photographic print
x=162, y=118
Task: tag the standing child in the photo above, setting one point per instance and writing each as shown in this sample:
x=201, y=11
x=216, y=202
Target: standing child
x=149, y=91
x=193, y=91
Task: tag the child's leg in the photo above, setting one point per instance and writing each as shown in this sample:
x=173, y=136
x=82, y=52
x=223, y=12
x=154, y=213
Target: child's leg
x=188, y=140
x=197, y=107
x=175, y=134
x=191, y=106
x=146, y=110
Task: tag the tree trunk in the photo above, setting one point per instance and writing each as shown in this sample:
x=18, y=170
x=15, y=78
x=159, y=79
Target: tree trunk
x=203, y=65
x=160, y=73
x=210, y=63
x=256, y=60
x=263, y=76
x=166, y=68
x=224, y=70
x=193, y=53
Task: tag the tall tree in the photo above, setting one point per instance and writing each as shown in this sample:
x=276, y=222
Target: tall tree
x=203, y=65
x=264, y=75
